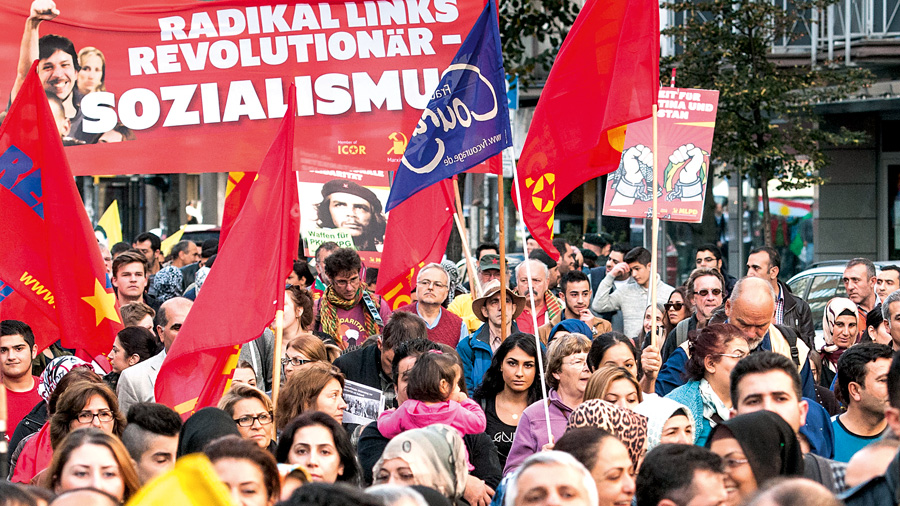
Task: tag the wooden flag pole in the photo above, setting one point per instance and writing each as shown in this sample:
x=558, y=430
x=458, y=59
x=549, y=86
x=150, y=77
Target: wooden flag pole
x=279, y=337
x=474, y=289
x=503, y=274
x=654, y=275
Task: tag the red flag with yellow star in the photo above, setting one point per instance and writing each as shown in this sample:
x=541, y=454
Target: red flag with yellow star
x=48, y=253
x=606, y=75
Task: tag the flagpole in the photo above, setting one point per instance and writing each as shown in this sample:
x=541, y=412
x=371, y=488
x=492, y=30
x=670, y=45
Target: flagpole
x=537, y=339
x=470, y=264
x=4, y=446
x=654, y=239
x=279, y=337
x=503, y=273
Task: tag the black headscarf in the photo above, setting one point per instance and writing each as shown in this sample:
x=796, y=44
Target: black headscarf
x=202, y=427
x=768, y=442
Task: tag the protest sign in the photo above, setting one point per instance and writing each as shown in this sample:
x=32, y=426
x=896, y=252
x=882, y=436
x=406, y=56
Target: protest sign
x=200, y=85
x=687, y=120
x=364, y=403
x=344, y=207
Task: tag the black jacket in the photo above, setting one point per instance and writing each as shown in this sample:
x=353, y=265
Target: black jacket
x=879, y=491
x=482, y=455
x=32, y=423
x=362, y=366
x=798, y=316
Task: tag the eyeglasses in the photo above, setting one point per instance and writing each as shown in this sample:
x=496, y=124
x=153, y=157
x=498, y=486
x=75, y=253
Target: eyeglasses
x=705, y=292
x=86, y=417
x=738, y=354
x=294, y=361
x=673, y=305
x=733, y=463
x=247, y=420
x=578, y=363
x=345, y=282
x=426, y=283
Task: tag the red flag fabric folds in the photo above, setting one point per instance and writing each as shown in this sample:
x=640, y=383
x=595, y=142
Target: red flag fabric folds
x=236, y=191
x=606, y=75
x=416, y=235
x=48, y=252
x=240, y=295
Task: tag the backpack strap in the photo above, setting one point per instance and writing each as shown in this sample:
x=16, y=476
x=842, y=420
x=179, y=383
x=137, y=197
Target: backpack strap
x=791, y=336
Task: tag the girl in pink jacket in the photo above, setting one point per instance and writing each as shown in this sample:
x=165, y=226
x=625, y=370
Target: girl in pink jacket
x=434, y=396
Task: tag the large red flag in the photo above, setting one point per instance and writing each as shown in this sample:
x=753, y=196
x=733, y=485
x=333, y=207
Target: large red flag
x=606, y=75
x=48, y=253
x=240, y=295
x=416, y=235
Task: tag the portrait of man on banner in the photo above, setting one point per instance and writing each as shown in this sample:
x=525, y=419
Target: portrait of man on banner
x=353, y=209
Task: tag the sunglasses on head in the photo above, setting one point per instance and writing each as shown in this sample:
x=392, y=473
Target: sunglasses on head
x=705, y=292
x=673, y=305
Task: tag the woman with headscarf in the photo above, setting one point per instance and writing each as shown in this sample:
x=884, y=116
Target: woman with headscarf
x=203, y=427
x=756, y=447
x=572, y=326
x=32, y=450
x=433, y=456
x=667, y=422
x=840, y=330
x=629, y=427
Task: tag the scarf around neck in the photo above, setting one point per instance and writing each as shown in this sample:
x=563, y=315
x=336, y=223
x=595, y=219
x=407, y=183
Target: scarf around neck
x=328, y=320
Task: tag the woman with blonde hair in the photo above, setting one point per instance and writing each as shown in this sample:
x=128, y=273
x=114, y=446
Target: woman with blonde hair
x=614, y=385
x=252, y=411
x=92, y=72
x=317, y=386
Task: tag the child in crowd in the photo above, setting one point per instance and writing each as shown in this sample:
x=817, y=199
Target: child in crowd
x=434, y=396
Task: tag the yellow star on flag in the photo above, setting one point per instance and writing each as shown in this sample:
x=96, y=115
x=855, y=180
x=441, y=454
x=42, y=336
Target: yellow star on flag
x=104, y=303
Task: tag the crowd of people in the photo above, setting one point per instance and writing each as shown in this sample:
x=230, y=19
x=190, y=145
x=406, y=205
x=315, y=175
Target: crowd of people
x=729, y=397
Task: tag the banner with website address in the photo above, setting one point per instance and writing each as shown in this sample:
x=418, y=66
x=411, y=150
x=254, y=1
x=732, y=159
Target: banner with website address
x=199, y=86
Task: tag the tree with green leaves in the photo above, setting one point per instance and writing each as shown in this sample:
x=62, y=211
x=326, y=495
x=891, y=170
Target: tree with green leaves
x=766, y=127
x=531, y=33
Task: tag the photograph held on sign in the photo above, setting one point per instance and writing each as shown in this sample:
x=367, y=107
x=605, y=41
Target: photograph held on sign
x=355, y=209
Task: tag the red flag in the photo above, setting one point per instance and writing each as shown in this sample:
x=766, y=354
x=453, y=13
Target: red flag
x=240, y=295
x=48, y=252
x=236, y=191
x=416, y=235
x=606, y=75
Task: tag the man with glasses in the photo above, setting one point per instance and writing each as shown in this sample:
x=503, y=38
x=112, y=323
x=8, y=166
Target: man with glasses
x=705, y=290
x=347, y=311
x=765, y=263
x=432, y=289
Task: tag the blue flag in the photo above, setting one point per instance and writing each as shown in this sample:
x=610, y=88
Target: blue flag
x=466, y=121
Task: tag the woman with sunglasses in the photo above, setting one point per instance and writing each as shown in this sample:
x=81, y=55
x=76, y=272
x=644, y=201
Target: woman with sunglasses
x=678, y=307
x=251, y=410
x=713, y=351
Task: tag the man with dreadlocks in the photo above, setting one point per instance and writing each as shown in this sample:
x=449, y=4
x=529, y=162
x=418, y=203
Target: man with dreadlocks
x=347, y=311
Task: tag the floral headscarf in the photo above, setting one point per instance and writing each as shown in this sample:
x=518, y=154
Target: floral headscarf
x=435, y=455
x=167, y=284
x=627, y=426
x=658, y=410
x=56, y=369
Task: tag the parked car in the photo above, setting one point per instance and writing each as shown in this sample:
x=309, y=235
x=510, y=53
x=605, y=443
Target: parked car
x=819, y=284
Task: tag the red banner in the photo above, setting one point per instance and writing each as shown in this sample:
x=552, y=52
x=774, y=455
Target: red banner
x=202, y=84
